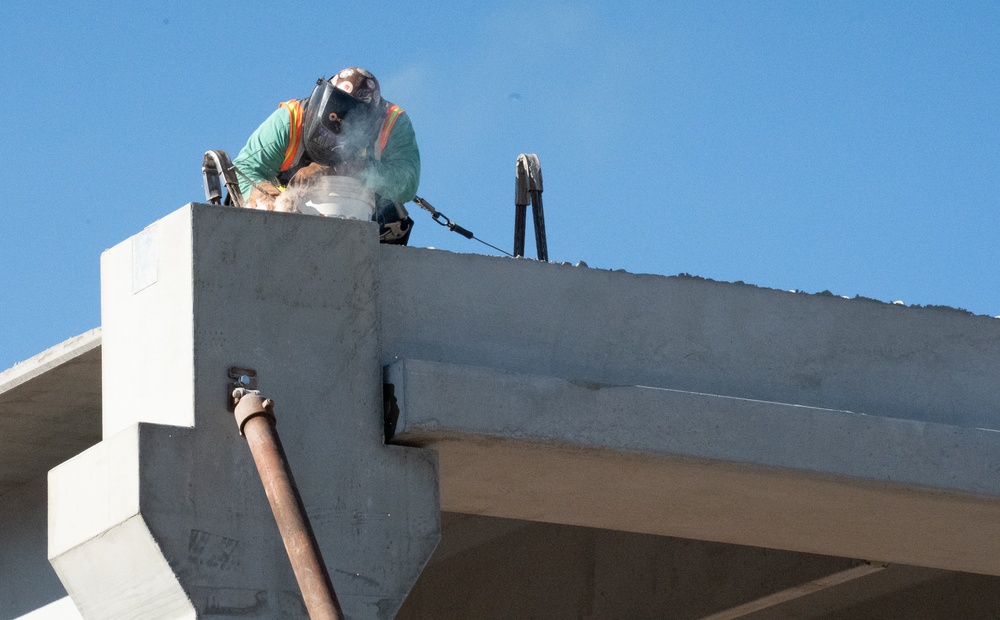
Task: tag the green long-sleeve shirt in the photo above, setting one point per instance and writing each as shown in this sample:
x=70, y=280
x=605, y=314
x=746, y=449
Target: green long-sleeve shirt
x=395, y=176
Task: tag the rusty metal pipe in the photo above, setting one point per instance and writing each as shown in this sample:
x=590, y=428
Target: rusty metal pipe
x=255, y=418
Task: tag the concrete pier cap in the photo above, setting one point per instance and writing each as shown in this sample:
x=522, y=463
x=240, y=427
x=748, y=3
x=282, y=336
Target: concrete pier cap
x=166, y=517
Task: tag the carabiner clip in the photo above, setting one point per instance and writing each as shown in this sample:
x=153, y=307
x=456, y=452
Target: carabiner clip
x=437, y=216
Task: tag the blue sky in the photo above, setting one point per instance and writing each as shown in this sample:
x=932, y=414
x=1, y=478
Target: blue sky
x=841, y=146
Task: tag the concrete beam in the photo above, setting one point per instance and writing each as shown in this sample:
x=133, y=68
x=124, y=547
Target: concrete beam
x=798, y=591
x=683, y=333
x=50, y=408
x=704, y=467
x=504, y=568
x=874, y=589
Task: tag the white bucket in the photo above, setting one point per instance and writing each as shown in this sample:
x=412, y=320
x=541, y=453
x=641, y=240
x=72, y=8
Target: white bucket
x=334, y=196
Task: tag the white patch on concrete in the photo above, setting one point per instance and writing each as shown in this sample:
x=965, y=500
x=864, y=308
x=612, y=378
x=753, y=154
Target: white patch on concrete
x=145, y=258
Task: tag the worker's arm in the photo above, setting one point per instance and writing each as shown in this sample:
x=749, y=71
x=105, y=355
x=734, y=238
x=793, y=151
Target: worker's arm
x=260, y=160
x=397, y=174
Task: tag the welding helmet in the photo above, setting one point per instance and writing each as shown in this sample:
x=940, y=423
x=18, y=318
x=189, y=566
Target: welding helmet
x=341, y=118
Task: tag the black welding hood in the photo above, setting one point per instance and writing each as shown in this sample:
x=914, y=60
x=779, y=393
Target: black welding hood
x=337, y=127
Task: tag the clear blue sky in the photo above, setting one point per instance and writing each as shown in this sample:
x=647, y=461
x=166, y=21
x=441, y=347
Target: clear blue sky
x=842, y=146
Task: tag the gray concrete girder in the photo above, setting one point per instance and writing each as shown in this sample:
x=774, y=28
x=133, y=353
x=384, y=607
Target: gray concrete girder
x=50, y=406
x=684, y=333
x=705, y=467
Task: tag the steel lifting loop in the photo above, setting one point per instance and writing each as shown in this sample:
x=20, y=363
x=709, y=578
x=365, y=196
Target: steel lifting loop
x=528, y=188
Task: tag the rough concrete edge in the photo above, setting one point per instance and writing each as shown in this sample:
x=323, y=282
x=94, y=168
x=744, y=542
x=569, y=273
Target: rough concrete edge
x=825, y=293
x=50, y=358
x=830, y=294
x=738, y=283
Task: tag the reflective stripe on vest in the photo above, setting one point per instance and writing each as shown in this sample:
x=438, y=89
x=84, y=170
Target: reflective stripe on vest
x=294, y=132
x=383, y=136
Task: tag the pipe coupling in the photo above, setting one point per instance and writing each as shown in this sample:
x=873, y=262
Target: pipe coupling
x=249, y=405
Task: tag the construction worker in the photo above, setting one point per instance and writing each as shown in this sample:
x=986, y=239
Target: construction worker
x=345, y=128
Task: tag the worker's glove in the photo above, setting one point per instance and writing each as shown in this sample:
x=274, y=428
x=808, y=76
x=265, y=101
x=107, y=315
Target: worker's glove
x=305, y=175
x=262, y=196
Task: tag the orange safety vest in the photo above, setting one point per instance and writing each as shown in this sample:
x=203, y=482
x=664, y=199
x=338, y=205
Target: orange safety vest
x=292, y=154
